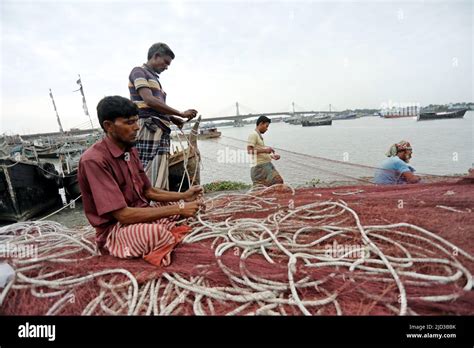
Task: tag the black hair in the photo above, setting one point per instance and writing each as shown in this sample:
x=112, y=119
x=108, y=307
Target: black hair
x=263, y=119
x=161, y=49
x=110, y=108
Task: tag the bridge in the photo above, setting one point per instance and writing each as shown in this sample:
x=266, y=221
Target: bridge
x=237, y=118
x=268, y=114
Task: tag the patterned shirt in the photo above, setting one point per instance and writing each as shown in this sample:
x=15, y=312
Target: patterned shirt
x=145, y=77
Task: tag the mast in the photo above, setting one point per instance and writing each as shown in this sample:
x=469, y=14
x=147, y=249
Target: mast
x=57, y=115
x=84, y=104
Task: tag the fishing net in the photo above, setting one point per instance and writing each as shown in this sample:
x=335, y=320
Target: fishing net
x=352, y=250
x=228, y=156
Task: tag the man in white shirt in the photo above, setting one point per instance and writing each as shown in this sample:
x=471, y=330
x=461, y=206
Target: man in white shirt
x=263, y=172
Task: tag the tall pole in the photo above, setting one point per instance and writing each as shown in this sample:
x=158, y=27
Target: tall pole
x=84, y=104
x=56, y=110
x=237, y=106
x=329, y=107
x=293, y=105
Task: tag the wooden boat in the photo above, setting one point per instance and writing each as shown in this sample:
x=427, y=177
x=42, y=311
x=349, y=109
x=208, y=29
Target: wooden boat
x=424, y=116
x=69, y=166
x=47, y=151
x=177, y=173
x=24, y=150
x=208, y=133
x=27, y=188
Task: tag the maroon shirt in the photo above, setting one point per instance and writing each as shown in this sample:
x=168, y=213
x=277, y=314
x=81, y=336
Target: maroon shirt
x=110, y=179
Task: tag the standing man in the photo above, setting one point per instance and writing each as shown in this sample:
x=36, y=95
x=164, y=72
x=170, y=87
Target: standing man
x=155, y=116
x=263, y=172
x=395, y=169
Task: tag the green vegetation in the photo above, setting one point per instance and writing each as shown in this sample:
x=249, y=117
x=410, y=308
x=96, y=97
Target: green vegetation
x=225, y=186
x=313, y=182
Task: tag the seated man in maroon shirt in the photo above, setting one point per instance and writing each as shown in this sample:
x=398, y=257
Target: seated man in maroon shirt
x=132, y=219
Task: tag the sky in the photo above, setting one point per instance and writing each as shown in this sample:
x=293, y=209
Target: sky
x=263, y=54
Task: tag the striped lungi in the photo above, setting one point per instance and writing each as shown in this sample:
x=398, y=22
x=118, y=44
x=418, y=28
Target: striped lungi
x=143, y=239
x=153, y=149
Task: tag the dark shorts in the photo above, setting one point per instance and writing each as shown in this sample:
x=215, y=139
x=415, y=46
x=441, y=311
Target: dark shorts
x=265, y=174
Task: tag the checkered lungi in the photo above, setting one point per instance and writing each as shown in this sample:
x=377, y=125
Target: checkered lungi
x=153, y=149
x=265, y=174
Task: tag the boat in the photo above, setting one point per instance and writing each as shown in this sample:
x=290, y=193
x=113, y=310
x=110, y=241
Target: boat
x=209, y=133
x=24, y=150
x=47, y=151
x=27, y=188
x=69, y=165
x=294, y=120
x=317, y=121
x=424, y=116
x=179, y=178
x=348, y=116
x=409, y=111
x=205, y=133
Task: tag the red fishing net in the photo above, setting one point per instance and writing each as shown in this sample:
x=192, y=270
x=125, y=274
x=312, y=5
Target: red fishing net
x=352, y=250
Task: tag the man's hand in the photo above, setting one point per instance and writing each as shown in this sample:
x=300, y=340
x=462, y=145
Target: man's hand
x=193, y=193
x=189, y=209
x=189, y=114
x=275, y=156
x=179, y=123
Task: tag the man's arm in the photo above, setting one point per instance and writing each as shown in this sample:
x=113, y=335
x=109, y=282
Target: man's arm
x=130, y=215
x=252, y=150
x=156, y=104
x=158, y=195
x=410, y=177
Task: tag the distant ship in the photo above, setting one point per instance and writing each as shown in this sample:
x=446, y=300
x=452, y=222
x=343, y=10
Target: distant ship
x=440, y=115
x=345, y=116
x=317, y=121
x=294, y=120
x=410, y=111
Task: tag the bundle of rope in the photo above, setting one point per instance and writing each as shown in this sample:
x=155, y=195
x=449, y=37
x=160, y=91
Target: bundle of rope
x=263, y=252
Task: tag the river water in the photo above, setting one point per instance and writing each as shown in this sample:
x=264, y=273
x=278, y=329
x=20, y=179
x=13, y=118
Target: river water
x=440, y=147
